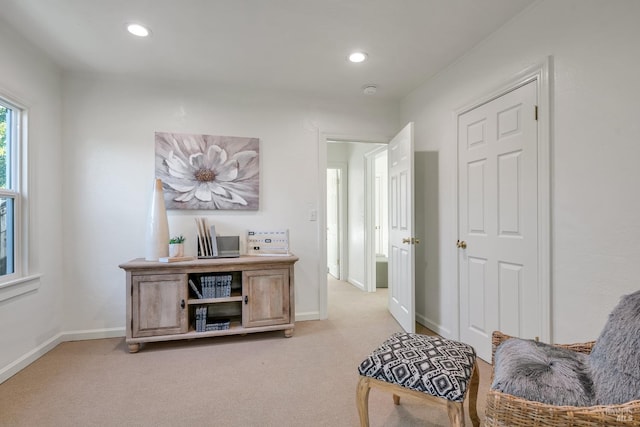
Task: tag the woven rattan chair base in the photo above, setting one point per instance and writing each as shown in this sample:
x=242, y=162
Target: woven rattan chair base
x=505, y=410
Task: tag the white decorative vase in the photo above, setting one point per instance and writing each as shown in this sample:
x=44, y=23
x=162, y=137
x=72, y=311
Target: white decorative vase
x=176, y=250
x=157, y=238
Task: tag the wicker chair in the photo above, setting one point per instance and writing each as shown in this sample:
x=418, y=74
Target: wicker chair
x=505, y=410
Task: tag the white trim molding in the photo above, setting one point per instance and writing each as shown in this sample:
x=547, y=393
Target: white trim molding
x=39, y=351
x=19, y=286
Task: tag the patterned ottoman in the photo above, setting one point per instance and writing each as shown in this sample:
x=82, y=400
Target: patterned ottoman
x=428, y=367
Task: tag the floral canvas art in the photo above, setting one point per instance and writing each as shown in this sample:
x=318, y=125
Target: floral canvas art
x=208, y=172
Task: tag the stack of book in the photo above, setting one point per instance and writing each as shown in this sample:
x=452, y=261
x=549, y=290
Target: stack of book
x=218, y=325
x=213, y=286
x=205, y=324
x=201, y=319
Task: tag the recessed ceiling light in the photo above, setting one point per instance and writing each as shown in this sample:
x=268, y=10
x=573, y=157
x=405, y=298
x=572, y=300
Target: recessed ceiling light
x=358, y=57
x=138, y=30
x=370, y=89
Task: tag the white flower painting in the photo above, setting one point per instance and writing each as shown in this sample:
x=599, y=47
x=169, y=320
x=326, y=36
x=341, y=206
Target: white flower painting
x=208, y=172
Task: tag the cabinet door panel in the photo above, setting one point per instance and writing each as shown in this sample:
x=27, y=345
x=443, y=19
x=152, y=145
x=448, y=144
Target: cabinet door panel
x=159, y=305
x=266, y=297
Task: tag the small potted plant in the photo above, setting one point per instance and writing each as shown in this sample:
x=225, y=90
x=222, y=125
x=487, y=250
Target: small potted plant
x=176, y=246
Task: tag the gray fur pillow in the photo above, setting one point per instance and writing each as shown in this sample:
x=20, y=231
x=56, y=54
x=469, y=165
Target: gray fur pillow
x=543, y=373
x=615, y=357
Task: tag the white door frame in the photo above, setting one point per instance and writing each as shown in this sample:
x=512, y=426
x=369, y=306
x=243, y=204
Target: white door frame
x=540, y=73
x=342, y=215
x=323, y=139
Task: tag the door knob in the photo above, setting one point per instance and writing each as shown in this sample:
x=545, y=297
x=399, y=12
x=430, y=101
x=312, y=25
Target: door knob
x=461, y=244
x=406, y=240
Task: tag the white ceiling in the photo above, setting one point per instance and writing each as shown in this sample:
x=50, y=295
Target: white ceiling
x=290, y=45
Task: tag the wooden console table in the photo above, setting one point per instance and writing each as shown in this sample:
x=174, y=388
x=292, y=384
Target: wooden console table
x=162, y=303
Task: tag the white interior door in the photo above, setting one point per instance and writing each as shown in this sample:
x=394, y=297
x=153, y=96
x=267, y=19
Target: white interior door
x=401, y=221
x=498, y=219
x=333, y=224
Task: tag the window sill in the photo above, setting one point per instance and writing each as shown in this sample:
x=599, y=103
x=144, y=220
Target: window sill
x=20, y=286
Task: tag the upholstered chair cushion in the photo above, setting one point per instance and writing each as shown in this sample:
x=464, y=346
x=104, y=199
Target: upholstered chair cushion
x=615, y=357
x=543, y=373
x=430, y=364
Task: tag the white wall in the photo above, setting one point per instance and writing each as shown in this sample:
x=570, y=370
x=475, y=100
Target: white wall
x=432, y=299
x=382, y=203
x=595, y=152
x=31, y=323
x=338, y=156
x=356, y=214
x=109, y=126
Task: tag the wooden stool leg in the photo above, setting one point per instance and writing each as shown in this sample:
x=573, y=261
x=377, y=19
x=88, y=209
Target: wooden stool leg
x=473, y=395
x=362, y=400
x=456, y=413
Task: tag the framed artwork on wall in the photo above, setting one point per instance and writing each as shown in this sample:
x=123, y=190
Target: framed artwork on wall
x=208, y=172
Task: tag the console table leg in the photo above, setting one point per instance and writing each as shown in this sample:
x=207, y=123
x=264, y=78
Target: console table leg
x=288, y=333
x=134, y=348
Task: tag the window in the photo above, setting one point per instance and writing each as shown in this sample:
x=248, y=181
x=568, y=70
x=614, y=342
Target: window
x=10, y=117
x=15, y=277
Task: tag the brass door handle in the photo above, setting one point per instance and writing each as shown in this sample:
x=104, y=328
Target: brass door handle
x=461, y=244
x=411, y=240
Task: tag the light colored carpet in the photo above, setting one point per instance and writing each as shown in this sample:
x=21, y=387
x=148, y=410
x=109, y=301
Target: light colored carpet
x=253, y=380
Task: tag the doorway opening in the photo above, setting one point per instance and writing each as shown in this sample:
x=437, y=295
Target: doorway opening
x=330, y=146
x=356, y=214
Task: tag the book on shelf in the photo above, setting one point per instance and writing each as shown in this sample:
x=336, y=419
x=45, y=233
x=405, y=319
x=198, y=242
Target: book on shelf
x=195, y=289
x=201, y=318
x=213, y=286
x=204, y=284
x=217, y=325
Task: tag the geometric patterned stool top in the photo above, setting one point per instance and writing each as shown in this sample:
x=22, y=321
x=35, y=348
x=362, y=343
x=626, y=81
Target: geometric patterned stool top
x=429, y=364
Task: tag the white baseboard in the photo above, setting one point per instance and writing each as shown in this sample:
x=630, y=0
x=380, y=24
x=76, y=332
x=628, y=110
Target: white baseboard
x=33, y=355
x=356, y=283
x=310, y=315
x=28, y=358
x=438, y=329
x=93, y=334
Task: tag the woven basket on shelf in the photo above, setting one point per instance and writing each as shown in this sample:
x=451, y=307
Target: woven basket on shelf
x=505, y=410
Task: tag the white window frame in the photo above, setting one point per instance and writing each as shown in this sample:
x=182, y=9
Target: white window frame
x=20, y=281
